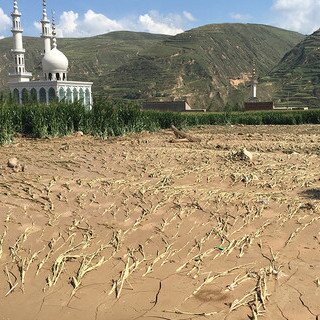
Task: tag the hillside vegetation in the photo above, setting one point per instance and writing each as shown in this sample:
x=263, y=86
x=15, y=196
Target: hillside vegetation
x=297, y=74
x=205, y=65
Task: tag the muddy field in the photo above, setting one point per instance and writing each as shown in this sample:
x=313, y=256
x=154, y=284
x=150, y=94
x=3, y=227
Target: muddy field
x=149, y=227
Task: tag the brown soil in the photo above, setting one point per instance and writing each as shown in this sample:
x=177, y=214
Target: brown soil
x=244, y=77
x=146, y=227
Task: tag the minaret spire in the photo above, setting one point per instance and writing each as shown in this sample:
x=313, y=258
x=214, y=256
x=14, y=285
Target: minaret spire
x=45, y=22
x=54, y=33
x=19, y=74
x=254, y=82
x=15, y=7
x=44, y=10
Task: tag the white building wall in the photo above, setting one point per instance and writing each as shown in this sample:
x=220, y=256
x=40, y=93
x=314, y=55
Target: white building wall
x=47, y=44
x=18, y=44
x=56, y=85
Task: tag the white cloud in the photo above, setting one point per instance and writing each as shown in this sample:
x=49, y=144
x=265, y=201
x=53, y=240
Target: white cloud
x=153, y=22
x=1, y=37
x=298, y=15
x=68, y=23
x=71, y=24
x=5, y=21
x=189, y=16
x=99, y=23
x=240, y=17
x=37, y=25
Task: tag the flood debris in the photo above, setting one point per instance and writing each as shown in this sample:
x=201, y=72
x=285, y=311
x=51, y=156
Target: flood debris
x=15, y=165
x=185, y=136
x=240, y=155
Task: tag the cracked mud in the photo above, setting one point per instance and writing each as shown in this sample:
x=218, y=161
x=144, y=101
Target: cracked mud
x=141, y=227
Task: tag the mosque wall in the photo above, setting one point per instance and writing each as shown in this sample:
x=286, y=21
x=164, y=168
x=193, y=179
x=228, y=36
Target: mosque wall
x=46, y=92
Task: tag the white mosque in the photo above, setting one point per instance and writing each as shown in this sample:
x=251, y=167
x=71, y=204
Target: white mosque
x=54, y=84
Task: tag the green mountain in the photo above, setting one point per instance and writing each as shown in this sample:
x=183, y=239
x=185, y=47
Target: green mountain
x=90, y=59
x=208, y=66
x=297, y=76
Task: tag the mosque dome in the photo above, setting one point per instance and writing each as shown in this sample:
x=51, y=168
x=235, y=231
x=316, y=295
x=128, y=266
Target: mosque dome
x=55, y=61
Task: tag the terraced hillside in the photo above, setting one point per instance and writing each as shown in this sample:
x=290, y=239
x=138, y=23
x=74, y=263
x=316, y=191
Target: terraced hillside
x=206, y=65
x=298, y=74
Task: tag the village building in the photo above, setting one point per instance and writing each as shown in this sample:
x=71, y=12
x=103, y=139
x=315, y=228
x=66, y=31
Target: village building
x=175, y=106
x=170, y=106
x=54, y=84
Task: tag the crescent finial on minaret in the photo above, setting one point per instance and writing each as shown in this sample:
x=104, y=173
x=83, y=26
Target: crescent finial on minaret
x=15, y=6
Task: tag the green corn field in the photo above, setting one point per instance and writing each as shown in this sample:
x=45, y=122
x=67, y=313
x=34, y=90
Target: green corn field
x=108, y=118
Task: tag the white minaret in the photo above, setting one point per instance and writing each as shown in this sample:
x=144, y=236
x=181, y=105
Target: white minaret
x=19, y=73
x=46, y=35
x=254, y=84
x=55, y=63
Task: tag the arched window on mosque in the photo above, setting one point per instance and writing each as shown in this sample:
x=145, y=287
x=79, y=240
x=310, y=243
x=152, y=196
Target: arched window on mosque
x=87, y=98
x=58, y=76
x=75, y=95
x=24, y=96
x=81, y=96
x=42, y=95
x=16, y=95
x=64, y=76
x=62, y=94
x=33, y=95
x=69, y=95
x=50, y=76
x=52, y=95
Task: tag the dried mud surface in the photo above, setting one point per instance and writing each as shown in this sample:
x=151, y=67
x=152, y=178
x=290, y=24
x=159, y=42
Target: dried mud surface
x=147, y=227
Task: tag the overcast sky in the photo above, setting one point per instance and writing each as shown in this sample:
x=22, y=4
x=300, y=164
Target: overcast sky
x=78, y=18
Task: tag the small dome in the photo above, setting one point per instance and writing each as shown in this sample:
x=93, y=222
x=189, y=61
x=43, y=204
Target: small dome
x=54, y=61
